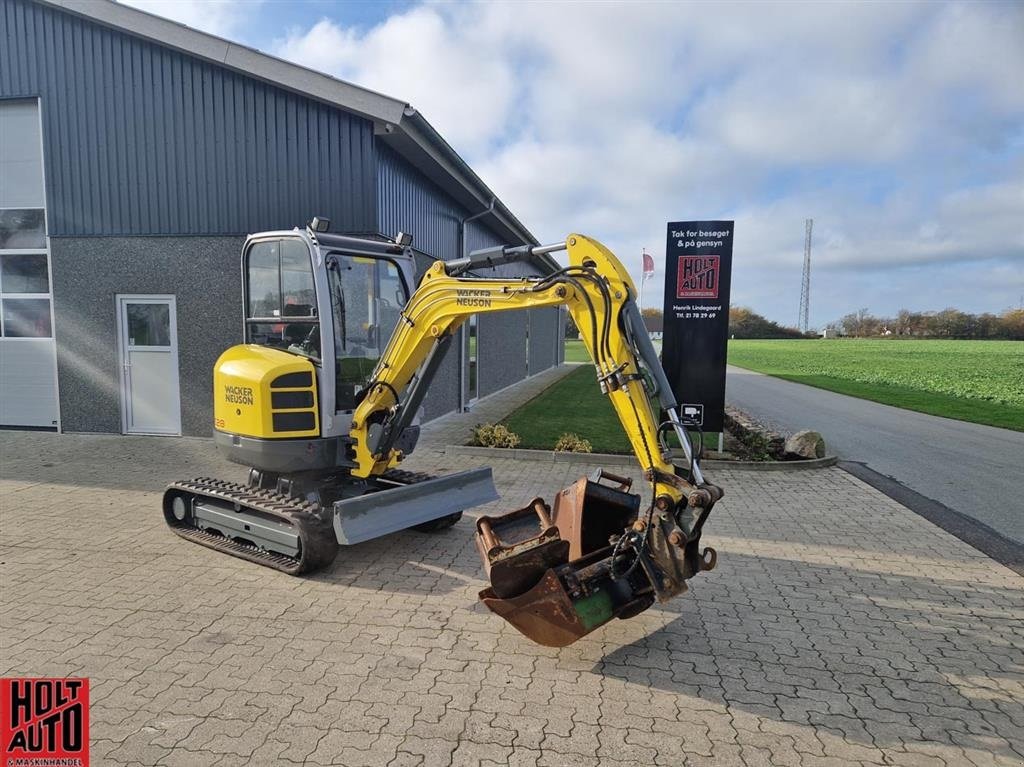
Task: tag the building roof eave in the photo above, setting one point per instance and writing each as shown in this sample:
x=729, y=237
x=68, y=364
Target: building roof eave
x=249, y=61
x=398, y=124
x=475, y=195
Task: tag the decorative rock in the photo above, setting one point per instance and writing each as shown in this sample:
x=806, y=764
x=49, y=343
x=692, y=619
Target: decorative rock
x=805, y=444
x=749, y=439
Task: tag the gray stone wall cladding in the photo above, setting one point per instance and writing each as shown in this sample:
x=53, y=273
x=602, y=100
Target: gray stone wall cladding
x=443, y=394
x=202, y=273
x=501, y=350
x=543, y=347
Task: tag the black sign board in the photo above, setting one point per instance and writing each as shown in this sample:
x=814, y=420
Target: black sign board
x=698, y=271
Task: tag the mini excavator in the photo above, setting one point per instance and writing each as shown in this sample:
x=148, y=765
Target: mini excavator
x=322, y=403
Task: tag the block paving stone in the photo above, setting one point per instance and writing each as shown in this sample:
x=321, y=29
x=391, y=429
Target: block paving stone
x=839, y=628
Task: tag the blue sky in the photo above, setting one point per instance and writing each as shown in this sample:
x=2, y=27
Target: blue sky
x=898, y=127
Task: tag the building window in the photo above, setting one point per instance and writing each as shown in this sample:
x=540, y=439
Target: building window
x=149, y=324
x=24, y=273
x=26, y=318
x=24, y=276
x=22, y=229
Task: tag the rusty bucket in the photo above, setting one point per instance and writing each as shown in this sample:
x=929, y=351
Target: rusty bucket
x=552, y=572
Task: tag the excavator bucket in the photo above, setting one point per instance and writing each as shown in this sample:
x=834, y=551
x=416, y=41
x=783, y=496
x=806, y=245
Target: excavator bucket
x=556, y=575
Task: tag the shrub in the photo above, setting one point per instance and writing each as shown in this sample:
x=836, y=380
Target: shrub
x=494, y=435
x=572, y=443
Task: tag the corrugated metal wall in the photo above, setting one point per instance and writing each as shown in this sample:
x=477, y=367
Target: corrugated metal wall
x=408, y=201
x=140, y=139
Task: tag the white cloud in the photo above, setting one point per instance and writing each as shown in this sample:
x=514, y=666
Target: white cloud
x=419, y=55
x=218, y=17
x=897, y=127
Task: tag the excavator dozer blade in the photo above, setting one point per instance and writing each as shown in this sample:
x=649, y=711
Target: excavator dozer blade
x=402, y=506
x=558, y=575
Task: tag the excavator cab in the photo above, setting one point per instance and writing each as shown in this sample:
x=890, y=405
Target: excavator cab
x=320, y=307
x=332, y=299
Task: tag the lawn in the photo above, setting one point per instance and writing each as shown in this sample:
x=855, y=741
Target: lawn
x=574, y=351
x=573, y=404
x=977, y=381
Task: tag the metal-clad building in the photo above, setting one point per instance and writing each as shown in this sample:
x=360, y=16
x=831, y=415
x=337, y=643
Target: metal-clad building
x=136, y=154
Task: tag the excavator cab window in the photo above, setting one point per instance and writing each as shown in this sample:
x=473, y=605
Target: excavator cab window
x=281, y=298
x=367, y=295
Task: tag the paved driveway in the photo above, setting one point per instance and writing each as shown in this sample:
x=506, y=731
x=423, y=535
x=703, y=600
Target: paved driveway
x=974, y=469
x=838, y=628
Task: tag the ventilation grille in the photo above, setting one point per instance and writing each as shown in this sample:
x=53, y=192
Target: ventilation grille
x=293, y=402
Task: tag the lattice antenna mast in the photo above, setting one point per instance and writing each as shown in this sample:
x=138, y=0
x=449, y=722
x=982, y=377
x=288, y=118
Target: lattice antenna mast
x=805, y=284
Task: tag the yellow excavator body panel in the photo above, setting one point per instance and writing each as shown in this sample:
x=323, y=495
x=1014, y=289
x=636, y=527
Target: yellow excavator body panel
x=265, y=393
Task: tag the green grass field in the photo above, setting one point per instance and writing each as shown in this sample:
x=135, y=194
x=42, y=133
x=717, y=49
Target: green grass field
x=574, y=404
x=574, y=351
x=977, y=381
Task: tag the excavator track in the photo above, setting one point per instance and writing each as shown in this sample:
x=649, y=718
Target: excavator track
x=317, y=546
x=311, y=524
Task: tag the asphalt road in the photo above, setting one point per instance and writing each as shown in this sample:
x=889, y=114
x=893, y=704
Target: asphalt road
x=975, y=470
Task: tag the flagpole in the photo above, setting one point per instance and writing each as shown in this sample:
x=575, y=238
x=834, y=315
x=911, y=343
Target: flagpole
x=643, y=278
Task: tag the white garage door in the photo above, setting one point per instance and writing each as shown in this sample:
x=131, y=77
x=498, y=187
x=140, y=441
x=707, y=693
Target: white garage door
x=28, y=359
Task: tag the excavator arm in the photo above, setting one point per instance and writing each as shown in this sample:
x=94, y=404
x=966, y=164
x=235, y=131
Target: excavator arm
x=558, y=575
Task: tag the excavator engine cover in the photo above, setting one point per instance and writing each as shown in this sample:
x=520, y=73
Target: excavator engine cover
x=556, y=575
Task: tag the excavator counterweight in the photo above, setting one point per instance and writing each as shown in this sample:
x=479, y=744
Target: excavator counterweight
x=323, y=401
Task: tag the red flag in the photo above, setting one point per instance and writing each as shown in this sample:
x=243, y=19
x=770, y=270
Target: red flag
x=648, y=264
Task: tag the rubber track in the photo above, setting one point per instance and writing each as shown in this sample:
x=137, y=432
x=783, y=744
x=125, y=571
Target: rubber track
x=407, y=477
x=318, y=545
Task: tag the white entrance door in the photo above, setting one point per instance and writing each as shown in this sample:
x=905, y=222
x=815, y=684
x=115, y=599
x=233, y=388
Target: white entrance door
x=148, y=335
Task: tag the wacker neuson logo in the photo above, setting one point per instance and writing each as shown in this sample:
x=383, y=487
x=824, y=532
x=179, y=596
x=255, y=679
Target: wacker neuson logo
x=238, y=395
x=473, y=297
x=44, y=722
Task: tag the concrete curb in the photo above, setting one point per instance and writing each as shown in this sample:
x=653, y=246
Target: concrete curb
x=988, y=541
x=608, y=459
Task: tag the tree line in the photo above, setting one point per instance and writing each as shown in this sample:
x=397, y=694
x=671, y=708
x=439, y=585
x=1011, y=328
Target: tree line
x=949, y=323
x=746, y=323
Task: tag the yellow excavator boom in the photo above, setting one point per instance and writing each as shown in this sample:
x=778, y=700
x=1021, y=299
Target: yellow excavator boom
x=442, y=303
x=560, y=574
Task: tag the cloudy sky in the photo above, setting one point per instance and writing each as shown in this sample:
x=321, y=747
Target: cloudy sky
x=897, y=127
